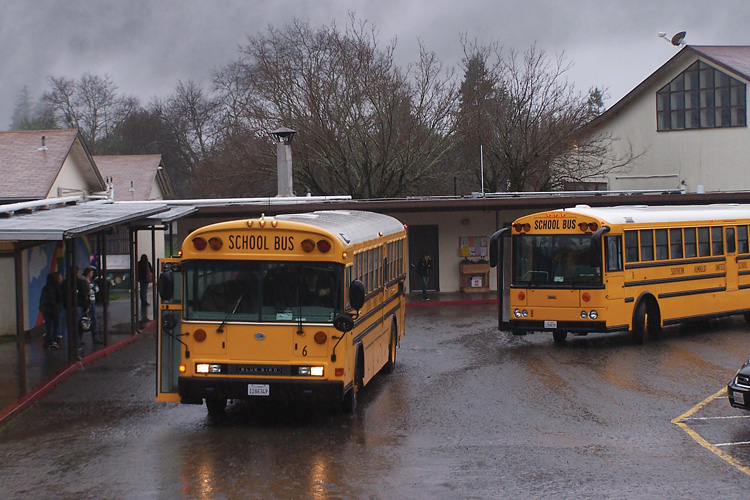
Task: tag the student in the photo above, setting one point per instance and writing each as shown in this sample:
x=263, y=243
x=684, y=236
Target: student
x=424, y=266
x=79, y=298
x=50, y=305
x=89, y=308
x=145, y=277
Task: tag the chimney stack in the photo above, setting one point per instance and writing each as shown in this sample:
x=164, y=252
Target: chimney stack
x=283, y=138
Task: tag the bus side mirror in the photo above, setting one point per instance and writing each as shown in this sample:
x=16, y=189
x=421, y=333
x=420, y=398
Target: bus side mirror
x=343, y=323
x=166, y=285
x=495, y=246
x=357, y=295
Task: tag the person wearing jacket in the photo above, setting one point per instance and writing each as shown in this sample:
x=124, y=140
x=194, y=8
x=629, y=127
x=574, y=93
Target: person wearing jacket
x=89, y=308
x=50, y=305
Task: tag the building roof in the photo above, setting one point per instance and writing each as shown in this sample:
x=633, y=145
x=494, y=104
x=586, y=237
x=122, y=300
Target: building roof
x=31, y=160
x=133, y=176
x=734, y=59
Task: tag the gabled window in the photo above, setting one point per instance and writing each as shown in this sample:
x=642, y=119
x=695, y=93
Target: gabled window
x=701, y=97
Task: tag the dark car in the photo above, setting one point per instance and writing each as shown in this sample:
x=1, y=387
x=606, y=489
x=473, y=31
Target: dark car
x=738, y=390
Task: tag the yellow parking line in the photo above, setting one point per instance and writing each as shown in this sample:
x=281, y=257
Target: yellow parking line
x=697, y=437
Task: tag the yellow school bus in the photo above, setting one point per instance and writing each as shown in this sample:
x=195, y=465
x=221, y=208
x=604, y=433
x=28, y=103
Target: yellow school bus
x=295, y=307
x=638, y=268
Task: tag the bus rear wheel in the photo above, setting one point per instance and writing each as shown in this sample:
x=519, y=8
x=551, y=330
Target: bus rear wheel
x=216, y=406
x=391, y=364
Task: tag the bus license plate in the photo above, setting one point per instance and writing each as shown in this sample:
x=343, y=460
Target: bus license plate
x=550, y=324
x=258, y=390
x=739, y=398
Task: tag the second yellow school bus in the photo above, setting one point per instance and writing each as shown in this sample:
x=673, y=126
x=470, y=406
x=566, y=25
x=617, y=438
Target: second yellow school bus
x=635, y=268
x=303, y=306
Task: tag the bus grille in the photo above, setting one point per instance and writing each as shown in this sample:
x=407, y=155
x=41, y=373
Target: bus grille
x=266, y=370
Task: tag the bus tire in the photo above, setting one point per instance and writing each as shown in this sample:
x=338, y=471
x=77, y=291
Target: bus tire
x=349, y=403
x=216, y=406
x=646, y=321
x=559, y=337
x=747, y=317
x=390, y=366
x=639, y=323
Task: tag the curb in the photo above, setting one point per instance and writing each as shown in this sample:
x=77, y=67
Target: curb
x=46, y=386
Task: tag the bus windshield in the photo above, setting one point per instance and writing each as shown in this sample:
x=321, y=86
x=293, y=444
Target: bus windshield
x=261, y=291
x=555, y=259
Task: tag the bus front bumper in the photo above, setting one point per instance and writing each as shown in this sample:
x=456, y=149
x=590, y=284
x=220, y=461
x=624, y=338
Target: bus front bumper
x=193, y=390
x=528, y=326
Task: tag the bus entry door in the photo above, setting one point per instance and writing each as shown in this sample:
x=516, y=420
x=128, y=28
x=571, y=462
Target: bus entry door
x=168, y=330
x=731, y=269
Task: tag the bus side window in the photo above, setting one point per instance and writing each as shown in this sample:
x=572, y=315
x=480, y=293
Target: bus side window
x=647, y=244
x=704, y=242
x=742, y=246
x=717, y=243
x=613, y=245
x=691, y=250
x=631, y=246
x=675, y=243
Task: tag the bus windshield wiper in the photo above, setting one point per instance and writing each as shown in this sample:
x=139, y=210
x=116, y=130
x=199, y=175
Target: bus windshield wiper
x=234, y=310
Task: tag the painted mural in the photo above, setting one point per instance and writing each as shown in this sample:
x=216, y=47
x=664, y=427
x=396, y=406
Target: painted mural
x=50, y=258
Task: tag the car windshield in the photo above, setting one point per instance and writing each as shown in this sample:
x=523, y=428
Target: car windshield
x=555, y=259
x=256, y=291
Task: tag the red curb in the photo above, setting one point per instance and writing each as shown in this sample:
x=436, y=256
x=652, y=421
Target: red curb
x=430, y=303
x=46, y=386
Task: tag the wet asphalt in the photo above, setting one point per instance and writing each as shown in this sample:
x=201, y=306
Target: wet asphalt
x=469, y=412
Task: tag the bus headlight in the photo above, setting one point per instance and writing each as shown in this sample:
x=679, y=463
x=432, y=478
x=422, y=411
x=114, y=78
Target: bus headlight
x=584, y=315
x=524, y=313
x=207, y=368
x=310, y=371
x=593, y=315
x=517, y=313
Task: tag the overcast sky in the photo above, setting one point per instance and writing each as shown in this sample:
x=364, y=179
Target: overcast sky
x=146, y=46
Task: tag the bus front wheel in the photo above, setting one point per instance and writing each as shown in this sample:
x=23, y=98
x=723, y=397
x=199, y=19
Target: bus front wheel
x=349, y=403
x=559, y=337
x=646, y=321
x=216, y=406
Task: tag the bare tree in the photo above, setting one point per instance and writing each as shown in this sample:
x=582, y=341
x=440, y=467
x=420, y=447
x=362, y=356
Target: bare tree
x=366, y=128
x=531, y=123
x=191, y=115
x=90, y=104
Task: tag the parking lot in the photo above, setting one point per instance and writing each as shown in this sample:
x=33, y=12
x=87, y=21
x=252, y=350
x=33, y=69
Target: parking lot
x=470, y=412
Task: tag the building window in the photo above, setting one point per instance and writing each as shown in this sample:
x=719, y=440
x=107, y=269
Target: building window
x=701, y=97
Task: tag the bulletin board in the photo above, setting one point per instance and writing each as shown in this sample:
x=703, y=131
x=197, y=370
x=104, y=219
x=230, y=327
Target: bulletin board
x=472, y=246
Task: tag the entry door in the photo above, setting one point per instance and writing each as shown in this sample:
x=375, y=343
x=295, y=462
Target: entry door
x=168, y=343
x=731, y=265
x=423, y=239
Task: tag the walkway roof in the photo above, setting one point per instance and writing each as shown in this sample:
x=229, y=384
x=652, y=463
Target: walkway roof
x=70, y=221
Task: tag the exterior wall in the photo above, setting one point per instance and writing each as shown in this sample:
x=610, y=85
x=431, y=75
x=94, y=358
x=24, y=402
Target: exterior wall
x=718, y=159
x=451, y=227
x=156, y=193
x=144, y=244
x=70, y=177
